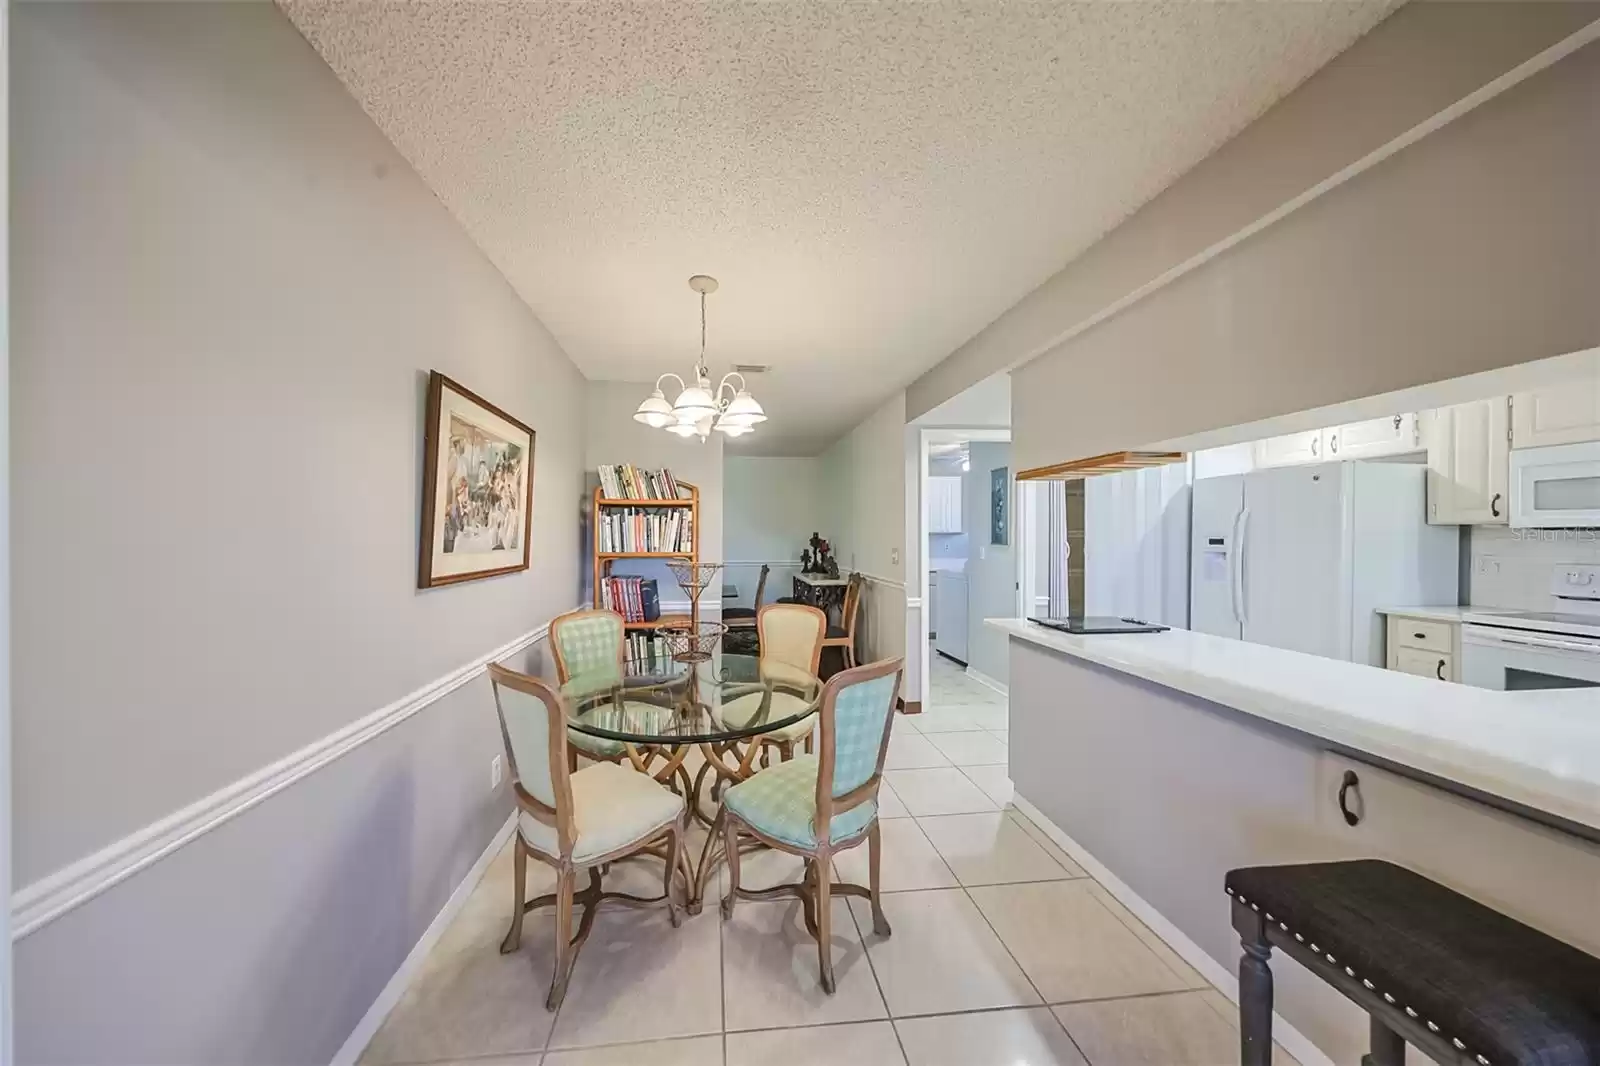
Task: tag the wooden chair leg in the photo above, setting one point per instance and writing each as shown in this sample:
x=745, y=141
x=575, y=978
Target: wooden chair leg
x=730, y=844
x=823, y=886
x=880, y=924
x=785, y=750
x=566, y=881
x=674, y=864
x=519, y=881
x=809, y=741
x=572, y=759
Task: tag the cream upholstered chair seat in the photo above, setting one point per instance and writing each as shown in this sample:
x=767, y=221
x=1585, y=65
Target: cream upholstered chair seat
x=576, y=820
x=740, y=711
x=612, y=806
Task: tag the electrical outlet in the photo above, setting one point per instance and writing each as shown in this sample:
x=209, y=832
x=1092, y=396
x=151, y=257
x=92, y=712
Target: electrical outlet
x=894, y=556
x=497, y=771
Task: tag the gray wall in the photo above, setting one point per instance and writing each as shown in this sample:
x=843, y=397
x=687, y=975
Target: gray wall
x=228, y=290
x=1414, y=64
x=1436, y=263
x=991, y=568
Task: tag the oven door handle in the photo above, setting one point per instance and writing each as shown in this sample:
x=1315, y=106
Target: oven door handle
x=1557, y=645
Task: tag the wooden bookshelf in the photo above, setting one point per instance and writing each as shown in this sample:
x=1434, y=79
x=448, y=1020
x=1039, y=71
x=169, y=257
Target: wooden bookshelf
x=604, y=560
x=646, y=555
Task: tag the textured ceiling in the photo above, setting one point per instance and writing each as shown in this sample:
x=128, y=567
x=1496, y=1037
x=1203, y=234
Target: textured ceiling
x=872, y=183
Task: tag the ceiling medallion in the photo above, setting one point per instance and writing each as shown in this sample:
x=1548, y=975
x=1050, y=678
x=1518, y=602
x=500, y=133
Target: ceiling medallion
x=698, y=409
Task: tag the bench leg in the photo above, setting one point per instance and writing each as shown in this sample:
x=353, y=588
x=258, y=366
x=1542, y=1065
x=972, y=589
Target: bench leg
x=1255, y=990
x=1388, y=1048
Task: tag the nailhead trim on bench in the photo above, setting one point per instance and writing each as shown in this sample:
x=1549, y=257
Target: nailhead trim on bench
x=1432, y=1027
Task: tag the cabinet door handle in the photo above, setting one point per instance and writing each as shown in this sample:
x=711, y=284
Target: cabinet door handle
x=1494, y=505
x=1333, y=444
x=1351, y=781
x=1316, y=444
x=1439, y=670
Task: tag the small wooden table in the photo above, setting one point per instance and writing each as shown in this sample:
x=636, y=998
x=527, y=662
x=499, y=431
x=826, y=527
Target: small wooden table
x=824, y=592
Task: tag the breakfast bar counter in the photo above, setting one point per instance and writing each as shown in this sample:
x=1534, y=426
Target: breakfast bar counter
x=1162, y=760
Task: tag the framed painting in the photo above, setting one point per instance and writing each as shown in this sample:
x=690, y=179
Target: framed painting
x=477, y=488
x=1000, y=505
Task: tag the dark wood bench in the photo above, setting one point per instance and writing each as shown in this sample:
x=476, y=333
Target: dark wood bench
x=1462, y=983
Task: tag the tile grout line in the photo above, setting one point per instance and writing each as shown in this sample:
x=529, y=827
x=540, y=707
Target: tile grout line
x=1042, y=998
x=866, y=952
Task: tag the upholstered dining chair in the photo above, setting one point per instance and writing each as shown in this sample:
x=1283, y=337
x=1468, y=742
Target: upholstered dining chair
x=588, y=649
x=817, y=806
x=791, y=650
x=577, y=821
x=843, y=636
x=745, y=617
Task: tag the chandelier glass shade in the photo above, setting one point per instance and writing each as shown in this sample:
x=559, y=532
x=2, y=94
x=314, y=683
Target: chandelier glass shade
x=700, y=409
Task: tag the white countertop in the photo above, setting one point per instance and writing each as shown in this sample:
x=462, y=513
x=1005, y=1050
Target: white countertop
x=1453, y=615
x=1540, y=749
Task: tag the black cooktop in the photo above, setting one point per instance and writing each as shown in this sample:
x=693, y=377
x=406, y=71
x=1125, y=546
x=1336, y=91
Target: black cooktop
x=1091, y=623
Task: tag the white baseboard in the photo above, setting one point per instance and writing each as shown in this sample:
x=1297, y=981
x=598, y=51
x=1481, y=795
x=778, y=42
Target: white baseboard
x=987, y=682
x=371, y=1021
x=1225, y=981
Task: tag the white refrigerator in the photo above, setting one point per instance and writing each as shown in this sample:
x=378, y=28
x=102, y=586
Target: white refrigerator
x=1301, y=557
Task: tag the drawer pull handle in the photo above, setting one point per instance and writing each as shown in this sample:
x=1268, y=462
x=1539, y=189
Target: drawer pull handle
x=1351, y=781
x=1439, y=670
x=1420, y=636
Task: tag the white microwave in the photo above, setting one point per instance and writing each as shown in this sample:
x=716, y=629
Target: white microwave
x=1556, y=487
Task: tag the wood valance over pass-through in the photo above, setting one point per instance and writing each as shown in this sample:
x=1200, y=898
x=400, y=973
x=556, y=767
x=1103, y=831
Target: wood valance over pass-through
x=1110, y=463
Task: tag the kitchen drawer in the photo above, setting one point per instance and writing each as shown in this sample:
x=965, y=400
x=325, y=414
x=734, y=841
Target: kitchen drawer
x=1424, y=634
x=1439, y=665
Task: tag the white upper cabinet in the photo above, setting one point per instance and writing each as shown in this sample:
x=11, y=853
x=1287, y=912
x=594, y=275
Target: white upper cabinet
x=1469, y=451
x=1390, y=435
x=1291, y=448
x=1560, y=414
x=944, y=505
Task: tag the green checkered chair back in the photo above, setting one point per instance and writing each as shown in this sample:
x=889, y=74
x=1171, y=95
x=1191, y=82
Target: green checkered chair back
x=588, y=648
x=860, y=722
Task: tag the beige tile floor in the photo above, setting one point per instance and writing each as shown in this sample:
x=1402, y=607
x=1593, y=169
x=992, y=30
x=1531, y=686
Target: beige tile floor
x=1003, y=952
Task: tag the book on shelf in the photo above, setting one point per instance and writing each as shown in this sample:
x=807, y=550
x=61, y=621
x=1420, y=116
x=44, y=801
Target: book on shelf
x=645, y=529
x=647, y=655
x=624, y=481
x=634, y=598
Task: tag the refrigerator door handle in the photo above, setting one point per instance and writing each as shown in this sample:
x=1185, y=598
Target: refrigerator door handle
x=1240, y=524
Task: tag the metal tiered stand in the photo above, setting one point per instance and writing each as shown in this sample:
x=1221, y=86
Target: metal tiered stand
x=696, y=642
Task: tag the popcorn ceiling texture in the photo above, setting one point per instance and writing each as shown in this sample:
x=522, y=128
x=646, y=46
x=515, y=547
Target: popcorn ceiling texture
x=872, y=183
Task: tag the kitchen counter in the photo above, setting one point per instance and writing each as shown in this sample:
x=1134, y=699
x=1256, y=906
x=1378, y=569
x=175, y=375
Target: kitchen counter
x=1160, y=761
x=1453, y=615
x=1539, y=750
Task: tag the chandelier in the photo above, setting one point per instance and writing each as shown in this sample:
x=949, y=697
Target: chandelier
x=699, y=409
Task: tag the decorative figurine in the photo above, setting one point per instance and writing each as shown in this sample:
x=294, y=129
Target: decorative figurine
x=818, y=559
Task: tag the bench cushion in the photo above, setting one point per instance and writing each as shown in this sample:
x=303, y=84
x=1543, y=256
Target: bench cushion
x=1497, y=990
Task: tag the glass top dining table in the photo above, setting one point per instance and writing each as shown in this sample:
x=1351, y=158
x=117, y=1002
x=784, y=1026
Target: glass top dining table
x=669, y=710
x=660, y=701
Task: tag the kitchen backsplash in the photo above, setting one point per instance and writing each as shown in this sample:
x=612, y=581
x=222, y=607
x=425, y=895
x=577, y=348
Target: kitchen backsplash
x=1511, y=567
